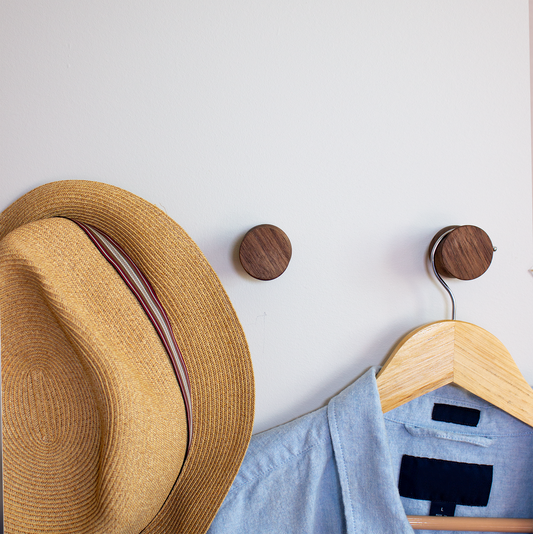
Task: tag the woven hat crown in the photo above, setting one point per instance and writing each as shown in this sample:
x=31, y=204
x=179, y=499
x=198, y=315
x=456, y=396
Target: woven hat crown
x=95, y=430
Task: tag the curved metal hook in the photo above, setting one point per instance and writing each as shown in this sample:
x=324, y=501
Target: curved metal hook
x=439, y=278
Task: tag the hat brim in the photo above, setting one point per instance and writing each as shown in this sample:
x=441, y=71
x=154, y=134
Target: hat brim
x=205, y=325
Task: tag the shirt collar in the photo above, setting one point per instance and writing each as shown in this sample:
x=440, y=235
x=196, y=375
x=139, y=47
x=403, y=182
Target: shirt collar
x=370, y=494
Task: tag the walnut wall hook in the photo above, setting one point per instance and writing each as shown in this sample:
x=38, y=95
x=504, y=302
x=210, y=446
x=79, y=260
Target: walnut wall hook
x=265, y=252
x=465, y=252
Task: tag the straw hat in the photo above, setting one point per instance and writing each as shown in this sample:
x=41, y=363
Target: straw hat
x=95, y=422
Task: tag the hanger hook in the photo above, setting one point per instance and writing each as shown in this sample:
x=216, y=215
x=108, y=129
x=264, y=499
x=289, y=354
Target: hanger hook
x=435, y=272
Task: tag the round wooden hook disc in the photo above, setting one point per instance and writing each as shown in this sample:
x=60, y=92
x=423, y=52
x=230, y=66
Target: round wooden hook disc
x=465, y=253
x=265, y=252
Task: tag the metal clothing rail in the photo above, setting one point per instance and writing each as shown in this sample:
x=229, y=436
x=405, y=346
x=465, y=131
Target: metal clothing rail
x=470, y=524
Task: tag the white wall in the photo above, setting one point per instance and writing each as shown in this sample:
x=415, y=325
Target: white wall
x=359, y=127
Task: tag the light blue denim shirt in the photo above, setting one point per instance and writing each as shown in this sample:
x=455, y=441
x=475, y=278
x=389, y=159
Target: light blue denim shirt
x=337, y=470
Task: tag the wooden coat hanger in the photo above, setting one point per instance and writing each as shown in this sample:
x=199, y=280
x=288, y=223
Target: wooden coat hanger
x=455, y=352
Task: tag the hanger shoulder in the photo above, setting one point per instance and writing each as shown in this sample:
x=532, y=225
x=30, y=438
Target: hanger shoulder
x=455, y=352
x=484, y=367
x=420, y=363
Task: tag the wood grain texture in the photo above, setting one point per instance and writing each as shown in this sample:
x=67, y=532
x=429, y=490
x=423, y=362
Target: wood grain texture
x=470, y=524
x=460, y=353
x=465, y=253
x=265, y=252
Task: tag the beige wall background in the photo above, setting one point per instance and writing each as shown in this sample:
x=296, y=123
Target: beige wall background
x=359, y=127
